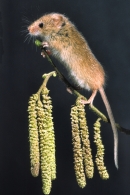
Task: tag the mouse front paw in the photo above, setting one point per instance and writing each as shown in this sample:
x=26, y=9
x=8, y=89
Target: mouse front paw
x=46, y=47
x=45, y=44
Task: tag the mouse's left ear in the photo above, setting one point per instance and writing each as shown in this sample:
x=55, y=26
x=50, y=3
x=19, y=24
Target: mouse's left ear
x=58, y=20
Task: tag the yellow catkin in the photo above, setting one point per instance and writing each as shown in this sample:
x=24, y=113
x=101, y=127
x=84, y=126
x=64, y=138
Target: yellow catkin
x=100, y=151
x=87, y=154
x=44, y=149
x=47, y=104
x=47, y=142
x=77, y=150
x=33, y=135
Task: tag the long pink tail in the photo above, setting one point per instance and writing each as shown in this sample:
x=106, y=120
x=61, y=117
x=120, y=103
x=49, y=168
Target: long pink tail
x=112, y=121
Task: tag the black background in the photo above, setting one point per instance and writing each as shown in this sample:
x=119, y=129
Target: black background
x=106, y=26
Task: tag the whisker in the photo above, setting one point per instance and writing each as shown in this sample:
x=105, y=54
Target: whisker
x=24, y=29
x=30, y=37
x=22, y=32
x=25, y=20
x=27, y=38
x=24, y=26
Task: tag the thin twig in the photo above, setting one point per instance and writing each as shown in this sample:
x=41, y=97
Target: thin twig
x=46, y=78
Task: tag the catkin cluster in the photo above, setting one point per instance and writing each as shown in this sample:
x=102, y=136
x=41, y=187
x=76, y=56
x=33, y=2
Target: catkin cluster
x=83, y=162
x=100, y=151
x=42, y=138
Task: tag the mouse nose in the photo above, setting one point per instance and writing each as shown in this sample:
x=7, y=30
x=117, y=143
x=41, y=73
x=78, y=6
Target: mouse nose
x=30, y=29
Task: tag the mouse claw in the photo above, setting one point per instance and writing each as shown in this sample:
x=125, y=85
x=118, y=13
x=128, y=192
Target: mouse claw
x=86, y=102
x=69, y=90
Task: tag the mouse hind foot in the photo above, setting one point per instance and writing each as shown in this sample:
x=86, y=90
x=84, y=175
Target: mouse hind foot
x=90, y=100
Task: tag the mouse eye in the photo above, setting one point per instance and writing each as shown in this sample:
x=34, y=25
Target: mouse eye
x=41, y=25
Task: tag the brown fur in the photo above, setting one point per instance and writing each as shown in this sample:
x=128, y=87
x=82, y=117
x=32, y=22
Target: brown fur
x=70, y=47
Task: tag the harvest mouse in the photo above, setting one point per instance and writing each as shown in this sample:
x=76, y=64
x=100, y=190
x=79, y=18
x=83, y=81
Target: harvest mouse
x=68, y=45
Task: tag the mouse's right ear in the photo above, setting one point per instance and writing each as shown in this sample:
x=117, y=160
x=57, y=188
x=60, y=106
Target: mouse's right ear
x=58, y=20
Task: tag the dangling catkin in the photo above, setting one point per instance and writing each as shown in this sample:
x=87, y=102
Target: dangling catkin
x=100, y=151
x=33, y=135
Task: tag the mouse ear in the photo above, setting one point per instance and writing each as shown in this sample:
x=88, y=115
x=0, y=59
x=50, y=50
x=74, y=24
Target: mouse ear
x=58, y=20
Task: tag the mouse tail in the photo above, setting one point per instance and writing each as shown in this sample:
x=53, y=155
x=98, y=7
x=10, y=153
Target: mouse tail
x=113, y=124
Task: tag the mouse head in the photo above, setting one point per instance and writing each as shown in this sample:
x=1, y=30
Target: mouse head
x=47, y=25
